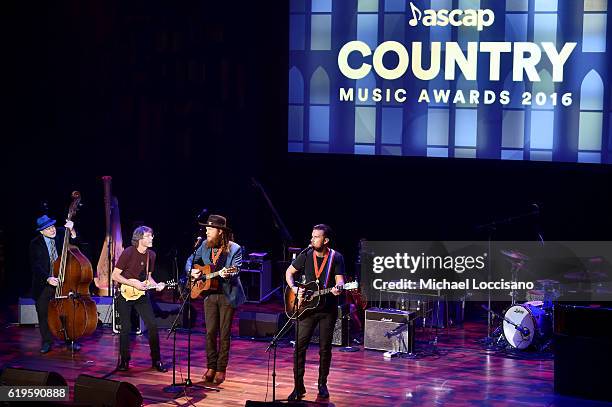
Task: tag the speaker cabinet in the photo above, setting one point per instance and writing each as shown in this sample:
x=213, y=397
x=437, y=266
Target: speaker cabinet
x=256, y=279
x=582, y=366
x=24, y=377
x=104, y=306
x=27, y=311
x=340, y=329
x=389, y=329
x=260, y=324
x=103, y=392
x=166, y=313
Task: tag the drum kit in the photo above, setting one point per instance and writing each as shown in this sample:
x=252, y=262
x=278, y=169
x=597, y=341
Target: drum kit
x=529, y=325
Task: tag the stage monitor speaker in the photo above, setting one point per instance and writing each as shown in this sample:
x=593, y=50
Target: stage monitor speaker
x=24, y=377
x=302, y=403
x=260, y=324
x=105, y=393
x=389, y=329
x=340, y=329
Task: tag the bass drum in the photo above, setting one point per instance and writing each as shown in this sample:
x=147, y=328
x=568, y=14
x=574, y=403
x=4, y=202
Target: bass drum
x=534, y=320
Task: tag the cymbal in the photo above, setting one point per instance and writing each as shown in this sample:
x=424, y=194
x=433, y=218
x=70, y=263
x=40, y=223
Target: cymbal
x=514, y=254
x=586, y=275
x=547, y=282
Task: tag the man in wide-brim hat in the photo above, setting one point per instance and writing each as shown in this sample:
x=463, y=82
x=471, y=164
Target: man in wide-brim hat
x=220, y=253
x=45, y=249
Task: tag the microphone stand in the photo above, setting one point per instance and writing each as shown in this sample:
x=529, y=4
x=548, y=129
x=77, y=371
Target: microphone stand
x=274, y=344
x=180, y=389
x=281, y=332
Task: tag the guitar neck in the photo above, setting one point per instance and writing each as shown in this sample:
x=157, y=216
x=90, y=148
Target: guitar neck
x=218, y=273
x=322, y=292
x=213, y=275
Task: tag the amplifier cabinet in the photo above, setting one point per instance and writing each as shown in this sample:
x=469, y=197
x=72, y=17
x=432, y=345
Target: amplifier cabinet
x=389, y=330
x=341, y=328
x=260, y=324
x=256, y=279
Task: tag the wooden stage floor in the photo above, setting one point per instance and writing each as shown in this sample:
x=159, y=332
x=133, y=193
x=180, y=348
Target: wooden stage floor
x=465, y=376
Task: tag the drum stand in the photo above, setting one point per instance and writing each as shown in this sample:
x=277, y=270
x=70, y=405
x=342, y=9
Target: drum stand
x=516, y=266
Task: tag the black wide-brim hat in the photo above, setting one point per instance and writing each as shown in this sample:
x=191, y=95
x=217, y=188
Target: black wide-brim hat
x=216, y=221
x=44, y=222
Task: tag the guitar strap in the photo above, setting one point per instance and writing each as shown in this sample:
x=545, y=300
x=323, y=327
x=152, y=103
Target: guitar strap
x=147, y=267
x=329, y=266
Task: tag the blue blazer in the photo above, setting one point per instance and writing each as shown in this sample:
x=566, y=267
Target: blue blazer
x=231, y=287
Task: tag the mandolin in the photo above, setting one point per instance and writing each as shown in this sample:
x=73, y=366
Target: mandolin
x=130, y=293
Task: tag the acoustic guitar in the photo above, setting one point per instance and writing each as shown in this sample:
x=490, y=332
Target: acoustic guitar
x=130, y=293
x=207, y=281
x=310, y=298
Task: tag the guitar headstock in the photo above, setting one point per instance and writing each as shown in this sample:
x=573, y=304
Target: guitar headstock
x=353, y=285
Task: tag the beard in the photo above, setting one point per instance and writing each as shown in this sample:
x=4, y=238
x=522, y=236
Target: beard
x=320, y=250
x=213, y=242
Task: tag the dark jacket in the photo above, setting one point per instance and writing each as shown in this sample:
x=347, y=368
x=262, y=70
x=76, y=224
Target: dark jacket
x=40, y=263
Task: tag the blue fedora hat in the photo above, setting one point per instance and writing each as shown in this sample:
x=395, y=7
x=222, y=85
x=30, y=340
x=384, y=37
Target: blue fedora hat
x=44, y=222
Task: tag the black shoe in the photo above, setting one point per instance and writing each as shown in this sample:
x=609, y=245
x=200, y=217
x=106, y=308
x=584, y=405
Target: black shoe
x=124, y=365
x=323, y=392
x=45, y=348
x=297, y=395
x=159, y=366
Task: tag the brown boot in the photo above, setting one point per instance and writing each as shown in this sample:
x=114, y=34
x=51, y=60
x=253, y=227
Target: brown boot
x=209, y=375
x=219, y=378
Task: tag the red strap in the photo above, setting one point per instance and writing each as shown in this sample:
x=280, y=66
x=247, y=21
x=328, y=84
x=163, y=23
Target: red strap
x=318, y=270
x=215, y=258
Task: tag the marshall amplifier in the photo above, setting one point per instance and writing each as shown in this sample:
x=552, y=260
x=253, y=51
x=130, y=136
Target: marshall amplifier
x=389, y=329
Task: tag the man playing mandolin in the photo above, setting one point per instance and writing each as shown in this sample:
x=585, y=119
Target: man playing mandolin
x=135, y=268
x=324, y=267
x=219, y=255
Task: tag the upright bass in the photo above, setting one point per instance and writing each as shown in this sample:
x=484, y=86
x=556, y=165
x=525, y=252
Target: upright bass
x=72, y=313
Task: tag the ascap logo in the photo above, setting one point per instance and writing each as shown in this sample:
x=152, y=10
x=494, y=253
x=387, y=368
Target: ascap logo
x=441, y=18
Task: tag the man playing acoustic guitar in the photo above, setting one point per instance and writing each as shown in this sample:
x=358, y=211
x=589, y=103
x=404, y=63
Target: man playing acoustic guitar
x=324, y=266
x=219, y=255
x=135, y=268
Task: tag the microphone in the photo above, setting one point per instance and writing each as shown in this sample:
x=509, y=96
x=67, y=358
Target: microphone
x=198, y=242
x=306, y=249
